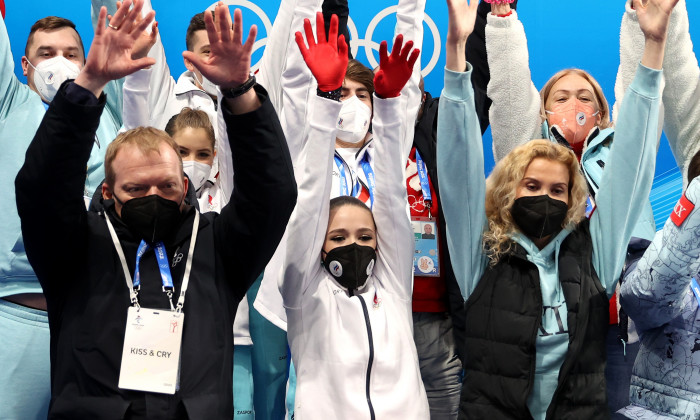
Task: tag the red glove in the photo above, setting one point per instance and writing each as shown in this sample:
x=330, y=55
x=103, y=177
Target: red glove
x=327, y=60
x=394, y=70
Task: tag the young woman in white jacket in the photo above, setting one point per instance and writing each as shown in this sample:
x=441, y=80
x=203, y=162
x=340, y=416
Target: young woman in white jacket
x=347, y=283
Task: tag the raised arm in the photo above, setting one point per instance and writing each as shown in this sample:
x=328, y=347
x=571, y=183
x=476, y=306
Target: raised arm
x=681, y=95
x=286, y=76
x=629, y=172
x=515, y=111
x=476, y=56
x=394, y=232
x=113, y=90
x=460, y=154
x=8, y=81
x=250, y=226
x=653, y=294
x=327, y=60
x=409, y=23
x=56, y=159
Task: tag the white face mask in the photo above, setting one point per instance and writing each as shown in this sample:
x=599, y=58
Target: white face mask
x=51, y=73
x=197, y=171
x=207, y=85
x=353, y=121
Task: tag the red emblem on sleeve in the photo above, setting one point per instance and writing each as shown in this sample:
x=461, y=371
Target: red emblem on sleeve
x=682, y=210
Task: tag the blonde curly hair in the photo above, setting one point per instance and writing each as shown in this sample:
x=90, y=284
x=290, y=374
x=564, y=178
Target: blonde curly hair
x=501, y=188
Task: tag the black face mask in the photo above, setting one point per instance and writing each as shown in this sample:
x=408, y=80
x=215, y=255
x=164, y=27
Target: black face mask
x=152, y=217
x=350, y=265
x=539, y=216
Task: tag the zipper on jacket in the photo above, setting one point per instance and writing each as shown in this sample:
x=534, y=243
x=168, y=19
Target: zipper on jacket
x=371, y=355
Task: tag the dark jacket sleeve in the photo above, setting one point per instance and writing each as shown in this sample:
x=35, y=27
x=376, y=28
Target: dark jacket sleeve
x=250, y=226
x=476, y=56
x=49, y=187
x=342, y=10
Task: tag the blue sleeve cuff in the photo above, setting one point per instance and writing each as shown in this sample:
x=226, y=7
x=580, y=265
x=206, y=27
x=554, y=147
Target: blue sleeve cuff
x=647, y=82
x=458, y=85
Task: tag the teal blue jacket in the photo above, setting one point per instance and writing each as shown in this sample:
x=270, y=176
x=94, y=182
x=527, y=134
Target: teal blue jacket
x=21, y=111
x=624, y=187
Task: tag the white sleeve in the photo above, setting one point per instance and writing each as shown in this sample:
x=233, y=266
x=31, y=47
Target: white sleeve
x=515, y=111
x=395, y=241
x=285, y=75
x=136, y=111
x=681, y=95
x=307, y=227
x=631, y=51
x=409, y=23
x=157, y=94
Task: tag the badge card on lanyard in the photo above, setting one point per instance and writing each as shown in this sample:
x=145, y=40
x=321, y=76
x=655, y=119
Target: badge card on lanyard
x=426, y=259
x=153, y=337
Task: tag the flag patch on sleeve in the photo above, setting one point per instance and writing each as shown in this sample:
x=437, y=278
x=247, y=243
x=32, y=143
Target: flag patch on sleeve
x=681, y=210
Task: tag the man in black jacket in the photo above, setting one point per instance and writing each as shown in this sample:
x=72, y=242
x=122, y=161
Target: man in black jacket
x=85, y=260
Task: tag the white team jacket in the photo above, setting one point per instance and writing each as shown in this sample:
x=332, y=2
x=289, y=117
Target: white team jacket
x=292, y=89
x=353, y=355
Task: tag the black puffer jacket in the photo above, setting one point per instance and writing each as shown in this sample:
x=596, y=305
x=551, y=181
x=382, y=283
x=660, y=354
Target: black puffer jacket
x=503, y=315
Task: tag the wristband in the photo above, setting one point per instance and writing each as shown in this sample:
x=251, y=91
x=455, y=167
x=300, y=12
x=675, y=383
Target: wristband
x=506, y=15
x=333, y=95
x=237, y=91
x=499, y=1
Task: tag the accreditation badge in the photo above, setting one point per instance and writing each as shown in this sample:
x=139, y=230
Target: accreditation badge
x=426, y=259
x=151, y=355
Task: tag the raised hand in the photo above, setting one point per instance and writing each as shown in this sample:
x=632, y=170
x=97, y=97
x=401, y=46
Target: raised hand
x=146, y=41
x=110, y=53
x=395, y=69
x=498, y=8
x=462, y=16
x=228, y=64
x=327, y=59
x=653, y=16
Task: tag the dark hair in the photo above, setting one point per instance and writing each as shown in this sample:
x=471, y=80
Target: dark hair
x=362, y=74
x=193, y=118
x=348, y=200
x=196, y=24
x=51, y=23
x=694, y=167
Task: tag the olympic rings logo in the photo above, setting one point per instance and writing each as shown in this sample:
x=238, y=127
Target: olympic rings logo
x=369, y=46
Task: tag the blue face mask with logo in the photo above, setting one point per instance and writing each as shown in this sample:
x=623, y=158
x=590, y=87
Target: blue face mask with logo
x=350, y=265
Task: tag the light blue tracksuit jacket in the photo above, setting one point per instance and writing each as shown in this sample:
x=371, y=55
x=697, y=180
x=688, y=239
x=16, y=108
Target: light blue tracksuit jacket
x=21, y=111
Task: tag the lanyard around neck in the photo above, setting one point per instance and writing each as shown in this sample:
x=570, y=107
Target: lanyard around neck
x=133, y=290
x=357, y=186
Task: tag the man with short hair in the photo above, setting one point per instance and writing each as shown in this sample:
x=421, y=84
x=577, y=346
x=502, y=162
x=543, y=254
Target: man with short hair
x=54, y=52
x=109, y=276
